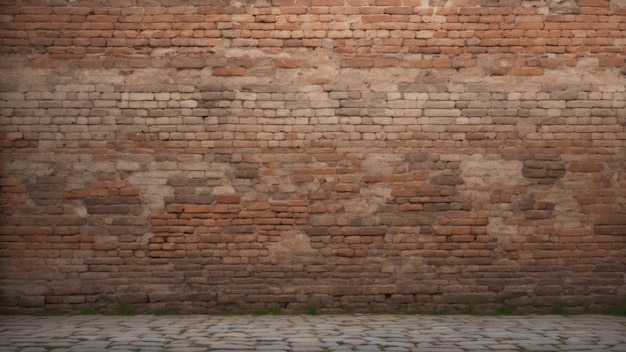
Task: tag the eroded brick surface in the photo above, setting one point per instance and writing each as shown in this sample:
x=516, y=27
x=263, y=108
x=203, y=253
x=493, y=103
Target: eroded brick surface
x=390, y=156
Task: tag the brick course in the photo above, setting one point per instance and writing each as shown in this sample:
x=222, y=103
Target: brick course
x=396, y=155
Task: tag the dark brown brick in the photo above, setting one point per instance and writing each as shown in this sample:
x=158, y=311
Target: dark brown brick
x=586, y=167
x=447, y=180
x=239, y=229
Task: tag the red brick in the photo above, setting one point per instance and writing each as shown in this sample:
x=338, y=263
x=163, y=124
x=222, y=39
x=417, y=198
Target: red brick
x=612, y=61
x=271, y=42
x=79, y=193
x=586, y=167
x=417, y=63
x=198, y=18
x=129, y=191
x=258, y=206
x=611, y=220
x=442, y=63
x=302, y=178
x=594, y=3
x=411, y=207
x=376, y=18
x=386, y=62
x=399, y=10
x=227, y=198
x=240, y=62
x=197, y=209
x=327, y=2
x=46, y=63
x=286, y=63
x=229, y=71
x=296, y=3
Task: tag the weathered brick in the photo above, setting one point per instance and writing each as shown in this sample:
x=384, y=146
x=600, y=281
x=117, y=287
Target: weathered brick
x=229, y=71
x=188, y=62
x=586, y=167
x=599, y=3
x=447, y=180
x=287, y=63
x=228, y=198
x=238, y=229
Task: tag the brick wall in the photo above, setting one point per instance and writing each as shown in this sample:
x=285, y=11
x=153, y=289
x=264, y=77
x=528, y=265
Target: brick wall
x=353, y=154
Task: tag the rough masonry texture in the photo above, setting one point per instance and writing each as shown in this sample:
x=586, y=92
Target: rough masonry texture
x=355, y=155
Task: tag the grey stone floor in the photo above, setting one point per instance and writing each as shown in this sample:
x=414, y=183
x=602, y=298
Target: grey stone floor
x=191, y=333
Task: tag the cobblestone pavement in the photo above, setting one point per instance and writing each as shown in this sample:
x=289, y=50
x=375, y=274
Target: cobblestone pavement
x=425, y=333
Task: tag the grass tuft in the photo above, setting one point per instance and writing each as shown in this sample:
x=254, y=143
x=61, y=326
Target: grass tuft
x=47, y=313
x=125, y=308
x=311, y=309
x=276, y=310
x=87, y=311
x=415, y=311
x=472, y=307
x=617, y=309
x=165, y=311
x=505, y=309
x=557, y=308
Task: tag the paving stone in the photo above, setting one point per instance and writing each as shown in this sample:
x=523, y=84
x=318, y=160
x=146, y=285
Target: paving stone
x=34, y=349
x=314, y=333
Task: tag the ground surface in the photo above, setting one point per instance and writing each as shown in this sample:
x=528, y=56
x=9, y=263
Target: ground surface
x=313, y=333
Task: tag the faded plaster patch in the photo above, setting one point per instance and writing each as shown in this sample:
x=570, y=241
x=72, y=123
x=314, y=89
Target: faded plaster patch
x=563, y=6
x=383, y=164
x=291, y=248
x=567, y=213
x=619, y=4
x=480, y=170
